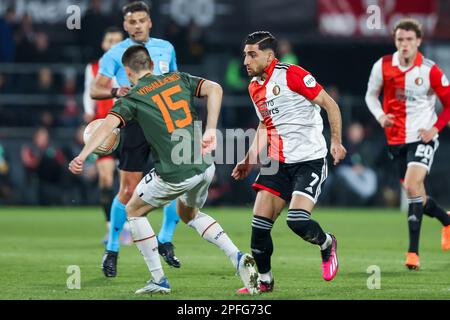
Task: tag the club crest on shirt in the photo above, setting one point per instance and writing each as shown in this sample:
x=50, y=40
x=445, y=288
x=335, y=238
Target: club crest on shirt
x=419, y=81
x=276, y=90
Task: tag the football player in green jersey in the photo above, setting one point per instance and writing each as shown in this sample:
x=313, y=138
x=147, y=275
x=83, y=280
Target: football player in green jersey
x=163, y=106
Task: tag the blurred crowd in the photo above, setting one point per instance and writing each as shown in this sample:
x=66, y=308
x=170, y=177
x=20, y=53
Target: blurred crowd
x=48, y=98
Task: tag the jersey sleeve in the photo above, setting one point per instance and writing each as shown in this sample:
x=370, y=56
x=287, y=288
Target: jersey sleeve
x=173, y=61
x=124, y=110
x=88, y=102
x=301, y=81
x=441, y=87
x=374, y=87
x=108, y=66
x=194, y=83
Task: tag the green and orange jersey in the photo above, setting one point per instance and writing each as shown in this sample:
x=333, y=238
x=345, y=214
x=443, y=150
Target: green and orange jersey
x=163, y=105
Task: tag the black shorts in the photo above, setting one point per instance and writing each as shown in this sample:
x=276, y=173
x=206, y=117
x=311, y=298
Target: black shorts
x=134, y=150
x=416, y=153
x=304, y=178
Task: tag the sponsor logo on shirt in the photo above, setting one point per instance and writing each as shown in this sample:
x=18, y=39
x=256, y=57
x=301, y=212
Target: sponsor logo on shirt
x=405, y=95
x=263, y=108
x=309, y=81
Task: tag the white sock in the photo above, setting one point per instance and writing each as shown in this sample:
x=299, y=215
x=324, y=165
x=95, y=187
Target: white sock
x=327, y=242
x=145, y=239
x=211, y=231
x=266, y=277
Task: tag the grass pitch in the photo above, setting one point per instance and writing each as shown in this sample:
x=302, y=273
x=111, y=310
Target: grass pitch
x=38, y=245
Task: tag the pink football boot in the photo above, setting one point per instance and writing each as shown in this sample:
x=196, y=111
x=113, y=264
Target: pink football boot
x=330, y=264
x=263, y=287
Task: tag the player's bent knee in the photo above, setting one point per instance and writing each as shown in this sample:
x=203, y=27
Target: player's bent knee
x=186, y=213
x=412, y=189
x=125, y=194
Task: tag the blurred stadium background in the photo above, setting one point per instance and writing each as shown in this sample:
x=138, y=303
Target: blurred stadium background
x=42, y=66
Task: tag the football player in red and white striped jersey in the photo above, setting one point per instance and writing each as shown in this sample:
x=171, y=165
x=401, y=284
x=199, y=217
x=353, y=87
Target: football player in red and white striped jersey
x=98, y=109
x=287, y=100
x=410, y=83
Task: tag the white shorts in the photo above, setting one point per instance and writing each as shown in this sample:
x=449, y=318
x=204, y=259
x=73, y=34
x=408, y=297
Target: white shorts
x=193, y=192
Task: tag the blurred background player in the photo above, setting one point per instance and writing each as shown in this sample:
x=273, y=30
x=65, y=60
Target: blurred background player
x=134, y=151
x=286, y=99
x=187, y=182
x=410, y=83
x=98, y=109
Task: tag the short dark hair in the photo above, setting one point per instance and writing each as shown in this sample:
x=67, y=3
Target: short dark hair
x=264, y=39
x=137, y=58
x=135, y=7
x=113, y=29
x=408, y=24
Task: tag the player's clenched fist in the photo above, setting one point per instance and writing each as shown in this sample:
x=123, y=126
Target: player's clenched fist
x=338, y=152
x=386, y=120
x=428, y=135
x=76, y=165
x=209, y=142
x=120, y=92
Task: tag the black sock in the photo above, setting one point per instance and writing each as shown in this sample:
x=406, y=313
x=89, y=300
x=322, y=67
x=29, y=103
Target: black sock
x=106, y=199
x=415, y=212
x=261, y=243
x=300, y=222
x=433, y=210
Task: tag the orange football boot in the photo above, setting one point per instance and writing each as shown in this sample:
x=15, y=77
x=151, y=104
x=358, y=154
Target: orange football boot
x=445, y=239
x=412, y=261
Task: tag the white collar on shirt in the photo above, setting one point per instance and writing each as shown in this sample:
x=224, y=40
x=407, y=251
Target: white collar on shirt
x=395, y=59
x=396, y=62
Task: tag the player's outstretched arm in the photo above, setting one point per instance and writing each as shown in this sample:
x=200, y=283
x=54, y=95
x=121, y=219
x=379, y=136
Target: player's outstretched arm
x=101, y=89
x=243, y=168
x=213, y=93
x=324, y=100
x=111, y=122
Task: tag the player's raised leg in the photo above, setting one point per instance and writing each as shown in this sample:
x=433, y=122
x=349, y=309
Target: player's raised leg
x=165, y=235
x=432, y=209
x=145, y=239
x=299, y=220
x=415, y=191
x=208, y=228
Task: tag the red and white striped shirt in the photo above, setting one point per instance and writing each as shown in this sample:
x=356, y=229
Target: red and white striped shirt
x=283, y=102
x=98, y=108
x=410, y=95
